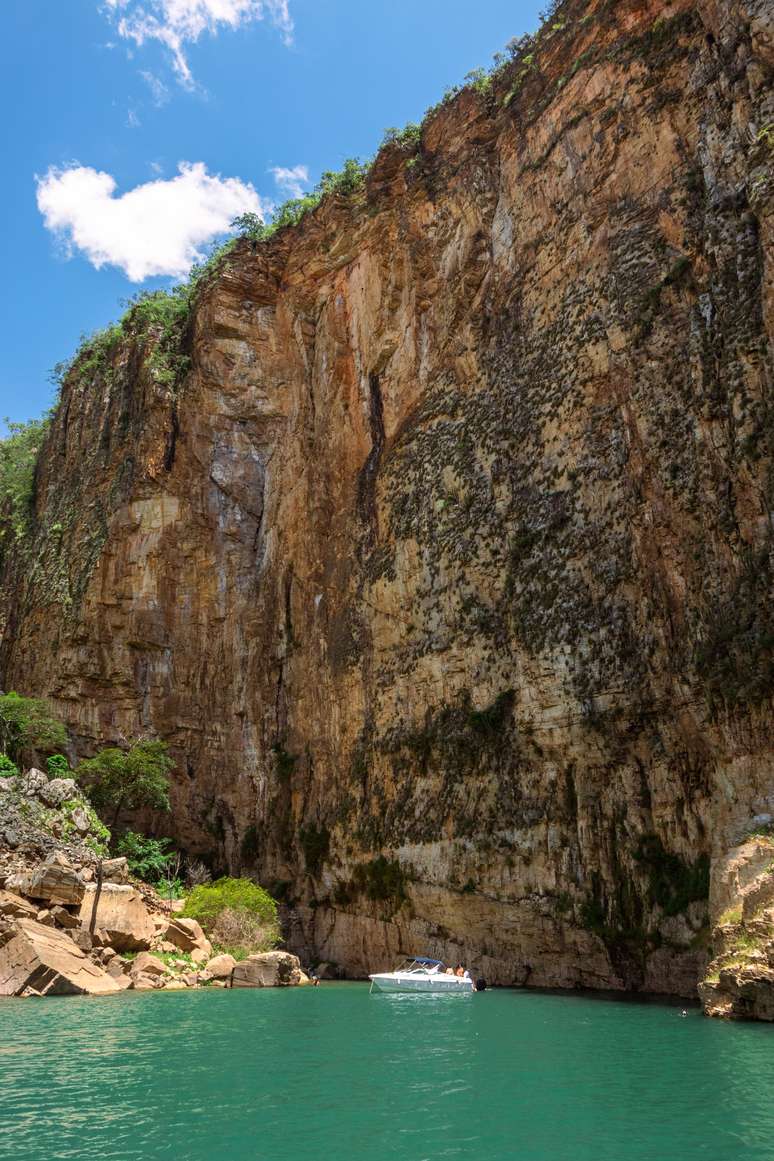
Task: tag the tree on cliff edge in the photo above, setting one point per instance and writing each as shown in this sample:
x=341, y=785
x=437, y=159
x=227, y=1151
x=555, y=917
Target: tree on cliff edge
x=121, y=780
x=26, y=724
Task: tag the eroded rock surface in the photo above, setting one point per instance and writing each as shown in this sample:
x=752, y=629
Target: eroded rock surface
x=121, y=914
x=739, y=983
x=446, y=570
x=270, y=969
x=38, y=960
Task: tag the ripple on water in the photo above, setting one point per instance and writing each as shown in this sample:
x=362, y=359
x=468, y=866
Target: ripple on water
x=333, y=1072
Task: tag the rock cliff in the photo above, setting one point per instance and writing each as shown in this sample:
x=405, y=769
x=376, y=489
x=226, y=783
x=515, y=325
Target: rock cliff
x=443, y=560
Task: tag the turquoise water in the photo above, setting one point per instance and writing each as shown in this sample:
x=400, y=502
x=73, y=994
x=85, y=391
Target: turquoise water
x=332, y=1073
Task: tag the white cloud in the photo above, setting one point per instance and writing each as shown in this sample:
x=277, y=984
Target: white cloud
x=159, y=91
x=155, y=228
x=176, y=23
x=132, y=120
x=291, y=181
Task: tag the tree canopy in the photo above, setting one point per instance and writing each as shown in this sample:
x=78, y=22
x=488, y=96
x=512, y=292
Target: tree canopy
x=120, y=780
x=27, y=723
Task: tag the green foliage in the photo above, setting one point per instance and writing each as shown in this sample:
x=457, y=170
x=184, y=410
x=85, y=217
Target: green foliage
x=479, y=80
x=26, y=723
x=127, y=779
x=249, y=225
x=315, y=843
x=345, y=181
x=162, y=316
x=57, y=766
x=291, y=212
x=18, y=456
x=7, y=767
x=207, y=902
x=408, y=138
x=148, y=858
x=170, y=888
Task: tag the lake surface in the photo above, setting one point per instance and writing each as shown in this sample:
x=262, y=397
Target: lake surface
x=328, y=1073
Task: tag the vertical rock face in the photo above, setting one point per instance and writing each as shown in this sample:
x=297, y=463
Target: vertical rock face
x=446, y=571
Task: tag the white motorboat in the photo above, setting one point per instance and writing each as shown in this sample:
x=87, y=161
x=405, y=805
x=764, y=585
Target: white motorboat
x=422, y=975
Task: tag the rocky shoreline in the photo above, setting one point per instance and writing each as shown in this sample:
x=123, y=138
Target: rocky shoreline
x=73, y=922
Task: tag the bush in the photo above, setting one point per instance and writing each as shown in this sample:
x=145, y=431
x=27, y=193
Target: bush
x=18, y=457
x=236, y=930
x=207, y=903
x=7, y=767
x=148, y=858
x=350, y=178
x=197, y=873
x=58, y=766
x=25, y=723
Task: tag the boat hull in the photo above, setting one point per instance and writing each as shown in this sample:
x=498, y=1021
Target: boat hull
x=437, y=985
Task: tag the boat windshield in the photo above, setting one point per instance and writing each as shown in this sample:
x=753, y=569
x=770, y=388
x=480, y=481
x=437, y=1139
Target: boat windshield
x=421, y=965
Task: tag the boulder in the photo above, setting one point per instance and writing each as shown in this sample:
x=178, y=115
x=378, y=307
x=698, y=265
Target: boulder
x=9, y=836
x=144, y=983
x=186, y=934
x=46, y=918
x=175, y=986
x=147, y=964
x=14, y=907
x=122, y=913
x=221, y=967
x=31, y=783
x=64, y=918
x=80, y=820
x=81, y=939
x=58, y=790
x=56, y=881
x=115, y=870
x=40, y=960
x=200, y=955
x=271, y=969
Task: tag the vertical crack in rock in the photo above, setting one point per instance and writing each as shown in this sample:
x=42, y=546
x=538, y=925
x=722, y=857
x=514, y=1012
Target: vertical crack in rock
x=370, y=469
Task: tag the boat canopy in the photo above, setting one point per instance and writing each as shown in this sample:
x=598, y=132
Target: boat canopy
x=427, y=962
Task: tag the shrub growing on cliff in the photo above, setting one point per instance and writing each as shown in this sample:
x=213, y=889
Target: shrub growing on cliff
x=236, y=913
x=26, y=723
x=118, y=780
x=57, y=766
x=18, y=457
x=7, y=768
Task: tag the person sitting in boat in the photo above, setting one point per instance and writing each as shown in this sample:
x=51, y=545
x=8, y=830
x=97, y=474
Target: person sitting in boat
x=450, y=971
x=459, y=971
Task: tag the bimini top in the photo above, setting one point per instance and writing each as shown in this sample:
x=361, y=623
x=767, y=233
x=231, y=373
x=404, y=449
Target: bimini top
x=427, y=962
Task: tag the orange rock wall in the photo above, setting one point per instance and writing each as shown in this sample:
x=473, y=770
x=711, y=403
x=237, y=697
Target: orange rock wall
x=445, y=573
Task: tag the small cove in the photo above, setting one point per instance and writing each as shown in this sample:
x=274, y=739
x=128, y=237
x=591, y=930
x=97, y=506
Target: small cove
x=333, y=1073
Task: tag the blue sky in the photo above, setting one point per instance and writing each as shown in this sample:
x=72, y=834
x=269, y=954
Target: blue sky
x=277, y=85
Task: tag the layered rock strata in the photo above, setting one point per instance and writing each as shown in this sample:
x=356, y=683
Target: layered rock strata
x=445, y=571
